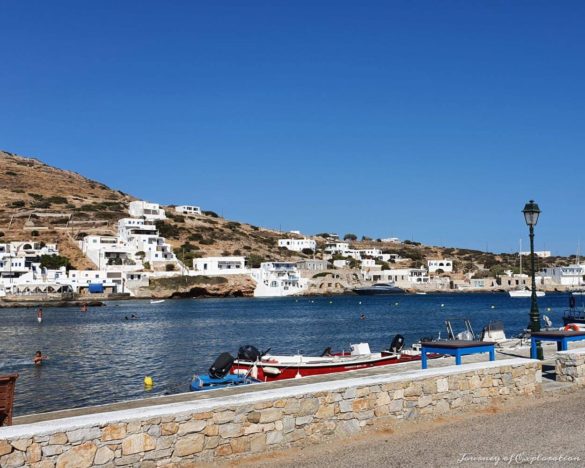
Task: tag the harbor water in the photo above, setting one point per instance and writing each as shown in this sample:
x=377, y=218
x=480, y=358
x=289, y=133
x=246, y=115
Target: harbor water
x=99, y=356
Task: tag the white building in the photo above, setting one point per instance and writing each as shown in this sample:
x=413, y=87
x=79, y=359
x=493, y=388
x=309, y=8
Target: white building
x=298, y=245
x=445, y=265
x=572, y=275
x=220, y=266
x=188, y=210
x=540, y=253
x=142, y=238
x=275, y=279
x=391, y=240
x=375, y=253
x=403, y=277
x=143, y=209
x=336, y=248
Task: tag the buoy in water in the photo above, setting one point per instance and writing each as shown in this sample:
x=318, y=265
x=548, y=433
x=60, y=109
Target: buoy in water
x=360, y=302
x=548, y=309
x=442, y=305
x=148, y=382
x=396, y=303
x=493, y=307
x=330, y=302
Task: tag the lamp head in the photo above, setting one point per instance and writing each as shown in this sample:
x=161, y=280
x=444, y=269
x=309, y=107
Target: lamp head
x=531, y=212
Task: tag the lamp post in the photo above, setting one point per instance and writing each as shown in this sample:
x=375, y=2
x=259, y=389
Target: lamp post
x=531, y=212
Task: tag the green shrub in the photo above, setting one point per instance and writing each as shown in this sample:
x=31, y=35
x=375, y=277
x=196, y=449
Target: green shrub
x=167, y=230
x=308, y=251
x=170, y=267
x=254, y=260
x=213, y=214
x=196, y=237
x=350, y=236
x=17, y=204
x=57, y=200
x=34, y=233
x=11, y=173
x=53, y=262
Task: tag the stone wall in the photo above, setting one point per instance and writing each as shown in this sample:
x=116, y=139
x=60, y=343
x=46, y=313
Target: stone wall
x=264, y=418
x=570, y=366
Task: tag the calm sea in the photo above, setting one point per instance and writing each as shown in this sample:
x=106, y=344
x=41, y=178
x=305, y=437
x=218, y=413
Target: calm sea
x=99, y=357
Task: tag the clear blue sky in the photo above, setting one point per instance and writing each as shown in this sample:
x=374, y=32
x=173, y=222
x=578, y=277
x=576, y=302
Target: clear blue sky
x=431, y=120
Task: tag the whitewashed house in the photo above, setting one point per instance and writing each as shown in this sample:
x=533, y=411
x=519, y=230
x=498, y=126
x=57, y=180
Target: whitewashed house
x=146, y=210
x=336, y=247
x=142, y=237
x=445, y=265
x=189, y=210
x=572, y=275
x=220, y=266
x=275, y=279
x=540, y=253
x=298, y=245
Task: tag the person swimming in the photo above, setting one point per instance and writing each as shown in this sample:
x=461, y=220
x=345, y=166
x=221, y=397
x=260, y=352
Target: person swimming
x=38, y=359
x=362, y=317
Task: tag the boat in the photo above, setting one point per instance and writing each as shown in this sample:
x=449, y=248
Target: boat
x=268, y=368
x=378, y=289
x=157, y=301
x=219, y=376
x=521, y=291
x=525, y=293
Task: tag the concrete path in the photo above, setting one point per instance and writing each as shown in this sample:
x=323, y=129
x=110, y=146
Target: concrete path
x=544, y=432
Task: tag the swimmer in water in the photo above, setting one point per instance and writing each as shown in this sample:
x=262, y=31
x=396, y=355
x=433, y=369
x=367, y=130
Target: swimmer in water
x=38, y=359
x=362, y=317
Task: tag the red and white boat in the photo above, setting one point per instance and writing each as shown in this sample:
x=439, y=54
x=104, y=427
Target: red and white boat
x=268, y=368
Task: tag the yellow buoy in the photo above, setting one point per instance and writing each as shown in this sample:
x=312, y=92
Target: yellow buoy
x=148, y=382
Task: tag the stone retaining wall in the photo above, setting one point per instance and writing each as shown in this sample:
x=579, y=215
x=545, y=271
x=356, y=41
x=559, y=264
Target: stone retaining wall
x=261, y=420
x=570, y=366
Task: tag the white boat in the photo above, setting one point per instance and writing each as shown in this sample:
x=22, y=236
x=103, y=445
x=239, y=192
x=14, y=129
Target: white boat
x=157, y=301
x=521, y=291
x=525, y=293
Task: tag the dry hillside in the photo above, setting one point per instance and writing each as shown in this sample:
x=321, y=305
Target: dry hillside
x=41, y=202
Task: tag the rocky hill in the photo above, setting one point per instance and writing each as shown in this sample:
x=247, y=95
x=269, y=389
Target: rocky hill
x=42, y=202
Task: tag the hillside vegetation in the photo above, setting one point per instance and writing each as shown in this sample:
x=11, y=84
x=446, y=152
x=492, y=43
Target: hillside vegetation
x=41, y=202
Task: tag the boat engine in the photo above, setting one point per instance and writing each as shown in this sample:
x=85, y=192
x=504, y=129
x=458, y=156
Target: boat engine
x=221, y=366
x=397, y=344
x=249, y=353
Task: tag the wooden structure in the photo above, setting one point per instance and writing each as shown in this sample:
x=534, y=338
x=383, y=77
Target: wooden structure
x=7, y=385
x=457, y=348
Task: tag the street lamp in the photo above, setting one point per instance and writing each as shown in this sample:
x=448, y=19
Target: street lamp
x=531, y=212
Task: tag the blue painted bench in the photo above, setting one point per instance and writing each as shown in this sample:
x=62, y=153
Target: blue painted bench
x=561, y=337
x=457, y=348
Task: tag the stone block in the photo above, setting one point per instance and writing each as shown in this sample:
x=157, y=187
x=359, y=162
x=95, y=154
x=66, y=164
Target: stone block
x=302, y=420
x=345, y=406
x=271, y=415
x=189, y=445
x=165, y=442
x=34, y=453
x=395, y=406
x=252, y=429
x=169, y=428
x=349, y=394
x=274, y=437
x=347, y=428
x=80, y=456
x=134, y=426
x=103, y=455
x=206, y=415
x=84, y=434
x=137, y=443
x=362, y=392
x=325, y=412
x=413, y=390
x=292, y=406
x=398, y=394
x=223, y=450
x=227, y=431
x=211, y=442
x=21, y=444
x=13, y=459
x=359, y=404
x=288, y=424
x=425, y=401
x=5, y=447
x=192, y=426
x=240, y=445
x=223, y=417
x=258, y=443
x=442, y=385
x=113, y=432
x=51, y=450
x=309, y=406
x=128, y=460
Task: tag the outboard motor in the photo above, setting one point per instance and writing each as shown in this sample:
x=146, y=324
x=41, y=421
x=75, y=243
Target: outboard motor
x=221, y=366
x=397, y=344
x=249, y=353
x=326, y=352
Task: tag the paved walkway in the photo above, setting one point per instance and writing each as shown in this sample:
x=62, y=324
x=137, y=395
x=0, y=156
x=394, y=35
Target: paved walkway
x=544, y=432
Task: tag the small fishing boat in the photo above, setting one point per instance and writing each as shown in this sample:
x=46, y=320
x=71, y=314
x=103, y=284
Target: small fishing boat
x=267, y=368
x=157, y=301
x=525, y=293
x=219, y=376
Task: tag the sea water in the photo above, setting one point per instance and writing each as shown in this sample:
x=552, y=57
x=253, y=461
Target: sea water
x=98, y=356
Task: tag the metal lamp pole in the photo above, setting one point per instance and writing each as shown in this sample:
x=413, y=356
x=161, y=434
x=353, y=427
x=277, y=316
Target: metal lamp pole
x=531, y=212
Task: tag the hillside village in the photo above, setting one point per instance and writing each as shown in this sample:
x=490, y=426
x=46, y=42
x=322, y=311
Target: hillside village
x=65, y=237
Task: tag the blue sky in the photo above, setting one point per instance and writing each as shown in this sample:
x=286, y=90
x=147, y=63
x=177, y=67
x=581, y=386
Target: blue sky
x=428, y=120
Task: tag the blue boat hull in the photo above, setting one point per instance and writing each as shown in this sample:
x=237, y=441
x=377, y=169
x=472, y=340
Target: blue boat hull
x=204, y=382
